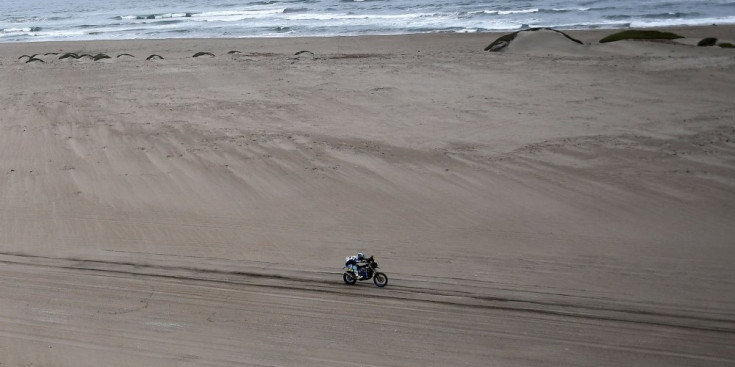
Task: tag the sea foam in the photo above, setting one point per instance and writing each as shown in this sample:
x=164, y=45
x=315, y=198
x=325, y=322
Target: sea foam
x=120, y=19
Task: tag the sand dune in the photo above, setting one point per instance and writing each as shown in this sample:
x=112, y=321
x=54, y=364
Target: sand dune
x=555, y=204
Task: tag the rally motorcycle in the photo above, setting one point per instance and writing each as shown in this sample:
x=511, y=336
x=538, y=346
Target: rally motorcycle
x=368, y=271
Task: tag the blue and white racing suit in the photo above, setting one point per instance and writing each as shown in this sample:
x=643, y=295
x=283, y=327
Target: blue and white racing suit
x=351, y=263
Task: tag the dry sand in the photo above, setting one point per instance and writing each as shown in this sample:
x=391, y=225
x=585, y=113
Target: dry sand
x=551, y=205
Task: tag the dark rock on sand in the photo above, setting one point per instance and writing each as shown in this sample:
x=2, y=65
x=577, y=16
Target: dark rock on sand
x=154, y=57
x=203, y=53
x=125, y=55
x=100, y=57
x=634, y=34
x=709, y=41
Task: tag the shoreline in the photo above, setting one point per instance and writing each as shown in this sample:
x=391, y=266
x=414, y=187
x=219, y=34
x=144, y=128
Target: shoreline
x=388, y=44
x=716, y=30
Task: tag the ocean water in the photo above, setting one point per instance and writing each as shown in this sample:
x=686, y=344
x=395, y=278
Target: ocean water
x=56, y=20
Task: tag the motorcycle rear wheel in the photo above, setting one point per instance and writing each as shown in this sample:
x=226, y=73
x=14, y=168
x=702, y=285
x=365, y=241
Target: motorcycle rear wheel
x=380, y=279
x=349, y=278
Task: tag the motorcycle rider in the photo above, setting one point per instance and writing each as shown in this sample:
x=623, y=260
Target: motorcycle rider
x=351, y=262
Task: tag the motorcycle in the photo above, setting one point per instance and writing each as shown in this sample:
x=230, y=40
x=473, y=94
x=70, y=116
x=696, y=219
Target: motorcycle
x=368, y=271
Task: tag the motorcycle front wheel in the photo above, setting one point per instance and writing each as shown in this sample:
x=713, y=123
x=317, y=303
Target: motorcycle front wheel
x=380, y=279
x=349, y=278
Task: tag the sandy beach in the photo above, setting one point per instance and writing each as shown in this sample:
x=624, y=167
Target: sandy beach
x=554, y=204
